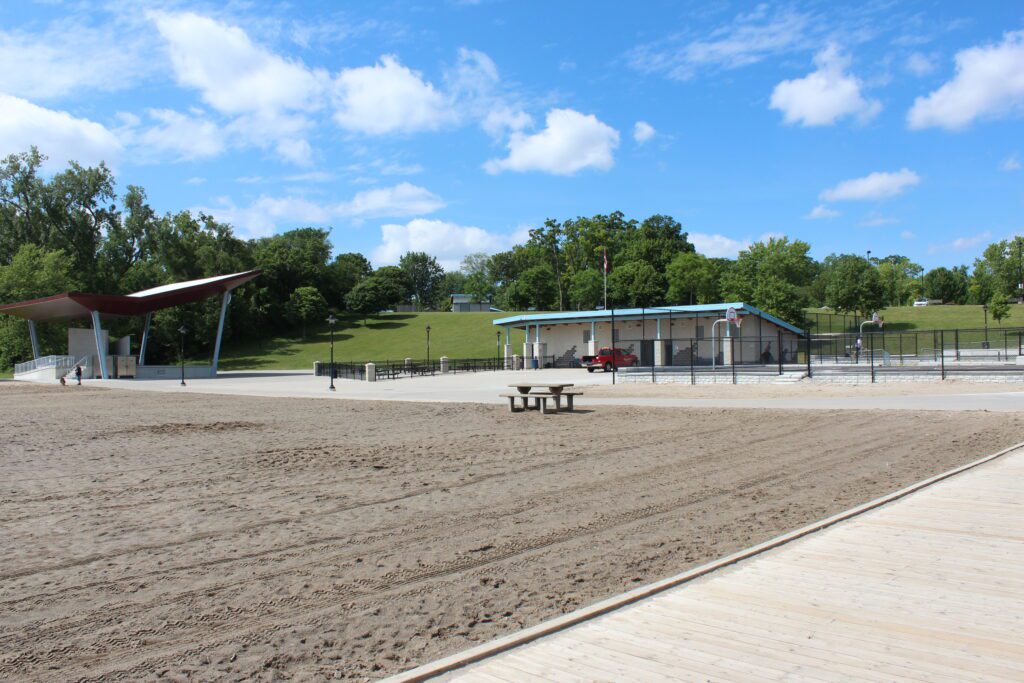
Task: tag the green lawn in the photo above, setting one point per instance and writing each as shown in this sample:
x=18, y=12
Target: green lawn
x=929, y=318
x=392, y=336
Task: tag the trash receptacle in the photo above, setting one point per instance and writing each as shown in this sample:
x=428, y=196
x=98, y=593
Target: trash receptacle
x=534, y=363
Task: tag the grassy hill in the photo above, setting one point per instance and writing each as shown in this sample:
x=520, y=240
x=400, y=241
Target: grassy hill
x=928, y=318
x=392, y=336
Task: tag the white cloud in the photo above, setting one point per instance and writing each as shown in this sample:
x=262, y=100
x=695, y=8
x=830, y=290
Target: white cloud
x=717, y=246
x=960, y=243
x=821, y=211
x=448, y=242
x=388, y=98
x=875, y=220
x=195, y=180
x=747, y=40
x=503, y=119
x=571, y=142
x=267, y=96
x=920, y=64
x=233, y=74
x=824, y=96
x=878, y=185
x=403, y=199
x=185, y=137
x=907, y=235
x=989, y=83
x=70, y=56
x=1010, y=163
x=266, y=214
x=57, y=134
x=310, y=177
x=643, y=131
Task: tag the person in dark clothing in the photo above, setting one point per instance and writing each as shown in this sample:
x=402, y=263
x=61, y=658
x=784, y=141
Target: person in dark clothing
x=78, y=374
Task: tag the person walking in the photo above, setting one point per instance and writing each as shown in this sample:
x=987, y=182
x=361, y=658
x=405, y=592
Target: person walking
x=856, y=351
x=78, y=374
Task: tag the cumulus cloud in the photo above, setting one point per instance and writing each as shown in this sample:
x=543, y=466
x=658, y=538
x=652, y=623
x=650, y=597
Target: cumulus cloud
x=643, y=131
x=717, y=246
x=388, y=98
x=404, y=199
x=233, y=74
x=821, y=211
x=58, y=134
x=184, y=137
x=267, y=96
x=989, y=83
x=266, y=214
x=961, y=243
x=825, y=95
x=1010, y=163
x=570, y=142
x=448, y=242
x=878, y=185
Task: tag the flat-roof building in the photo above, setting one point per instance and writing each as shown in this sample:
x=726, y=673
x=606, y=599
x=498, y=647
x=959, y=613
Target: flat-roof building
x=658, y=335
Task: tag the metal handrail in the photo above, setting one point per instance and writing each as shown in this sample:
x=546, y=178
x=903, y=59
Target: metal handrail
x=45, y=362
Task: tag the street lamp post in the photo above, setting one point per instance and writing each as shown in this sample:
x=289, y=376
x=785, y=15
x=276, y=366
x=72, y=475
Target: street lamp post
x=331, y=320
x=182, y=330
x=428, y=344
x=497, y=334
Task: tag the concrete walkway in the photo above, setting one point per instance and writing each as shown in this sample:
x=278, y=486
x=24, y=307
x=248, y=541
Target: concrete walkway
x=484, y=387
x=927, y=588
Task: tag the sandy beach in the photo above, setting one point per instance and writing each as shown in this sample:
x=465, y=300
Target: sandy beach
x=151, y=535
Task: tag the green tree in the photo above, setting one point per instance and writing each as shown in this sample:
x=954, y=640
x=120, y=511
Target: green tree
x=636, y=283
x=999, y=309
x=424, y=275
x=372, y=295
x=586, y=290
x=691, y=279
x=853, y=285
x=306, y=305
x=897, y=275
x=32, y=273
x=399, y=288
x=947, y=285
x=657, y=241
x=774, y=276
x=344, y=273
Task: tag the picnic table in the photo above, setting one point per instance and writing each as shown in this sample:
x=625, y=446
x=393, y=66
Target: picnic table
x=540, y=392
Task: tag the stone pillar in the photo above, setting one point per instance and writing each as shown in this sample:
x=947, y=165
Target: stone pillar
x=408, y=365
x=527, y=349
x=659, y=352
x=444, y=364
x=371, y=372
x=517, y=362
x=508, y=356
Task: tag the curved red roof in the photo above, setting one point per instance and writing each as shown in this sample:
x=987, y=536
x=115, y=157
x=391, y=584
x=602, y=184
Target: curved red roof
x=71, y=305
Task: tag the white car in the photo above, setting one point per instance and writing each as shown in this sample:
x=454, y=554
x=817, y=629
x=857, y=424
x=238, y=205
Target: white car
x=920, y=302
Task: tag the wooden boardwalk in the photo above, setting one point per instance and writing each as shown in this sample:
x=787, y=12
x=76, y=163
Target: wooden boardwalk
x=929, y=587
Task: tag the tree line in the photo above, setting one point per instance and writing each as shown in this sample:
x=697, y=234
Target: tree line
x=72, y=231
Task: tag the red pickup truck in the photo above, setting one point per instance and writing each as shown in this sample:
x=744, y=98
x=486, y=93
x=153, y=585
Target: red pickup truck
x=606, y=361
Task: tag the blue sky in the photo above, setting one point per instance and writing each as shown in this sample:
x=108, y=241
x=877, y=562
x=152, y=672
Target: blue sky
x=452, y=127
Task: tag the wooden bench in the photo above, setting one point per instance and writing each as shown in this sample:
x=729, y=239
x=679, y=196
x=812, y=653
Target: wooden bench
x=540, y=401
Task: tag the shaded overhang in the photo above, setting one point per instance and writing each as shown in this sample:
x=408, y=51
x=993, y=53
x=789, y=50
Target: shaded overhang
x=73, y=305
x=623, y=314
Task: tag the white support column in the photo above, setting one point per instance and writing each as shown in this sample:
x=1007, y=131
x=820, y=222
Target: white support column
x=145, y=339
x=101, y=351
x=659, y=345
x=34, y=337
x=220, y=330
x=592, y=345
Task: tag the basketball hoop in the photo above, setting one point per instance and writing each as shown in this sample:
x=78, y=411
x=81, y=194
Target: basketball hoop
x=731, y=315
